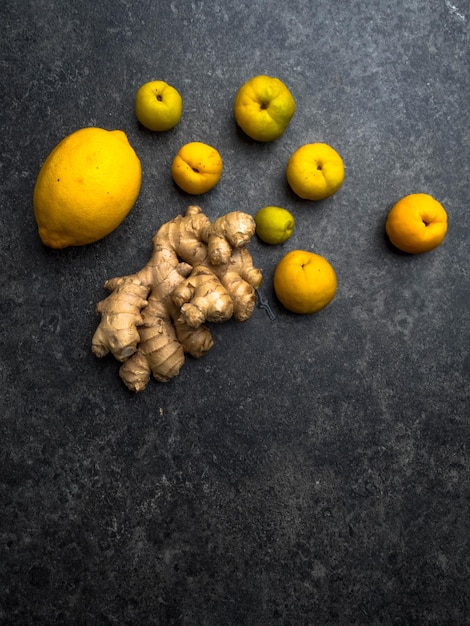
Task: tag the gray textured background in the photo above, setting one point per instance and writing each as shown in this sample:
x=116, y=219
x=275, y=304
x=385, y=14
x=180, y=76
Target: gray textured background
x=309, y=470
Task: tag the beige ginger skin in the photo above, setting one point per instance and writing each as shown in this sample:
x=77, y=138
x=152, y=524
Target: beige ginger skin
x=198, y=272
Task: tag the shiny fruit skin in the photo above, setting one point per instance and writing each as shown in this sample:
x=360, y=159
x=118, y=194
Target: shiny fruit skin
x=304, y=282
x=274, y=225
x=416, y=224
x=315, y=171
x=264, y=107
x=158, y=105
x=197, y=167
x=86, y=187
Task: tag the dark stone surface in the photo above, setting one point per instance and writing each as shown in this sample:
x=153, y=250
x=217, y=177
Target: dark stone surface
x=309, y=470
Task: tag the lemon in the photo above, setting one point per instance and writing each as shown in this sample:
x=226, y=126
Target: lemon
x=86, y=187
x=274, y=224
x=197, y=167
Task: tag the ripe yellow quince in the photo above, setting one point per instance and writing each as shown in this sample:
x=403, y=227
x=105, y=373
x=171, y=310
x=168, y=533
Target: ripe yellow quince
x=158, y=106
x=263, y=108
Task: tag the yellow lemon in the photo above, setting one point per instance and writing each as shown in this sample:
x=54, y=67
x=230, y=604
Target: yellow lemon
x=417, y=223
x=315, y=171
x=86, y=187
x=263, y=108
x=197, y=167
x=274, y=224
x=304, y=282
x=158, y=106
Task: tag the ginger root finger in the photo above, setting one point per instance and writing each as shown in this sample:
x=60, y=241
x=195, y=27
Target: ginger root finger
x=240, y=279
x=120, y=316
x=202, y=297
x=195, y=341
x=230, y=231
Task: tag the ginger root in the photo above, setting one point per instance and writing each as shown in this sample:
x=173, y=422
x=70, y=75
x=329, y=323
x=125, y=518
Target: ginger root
x=198, y=272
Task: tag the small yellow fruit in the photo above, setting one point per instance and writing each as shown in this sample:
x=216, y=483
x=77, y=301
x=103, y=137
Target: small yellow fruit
x=158, y=106
x=274, y=224
x=86, y=187
x=197, y=168
x=315, y=171
x=263, y=108
x=304, y=282
x=417, y=223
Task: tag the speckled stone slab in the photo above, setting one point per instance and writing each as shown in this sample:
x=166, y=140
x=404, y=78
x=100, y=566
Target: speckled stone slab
x=309, y=470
